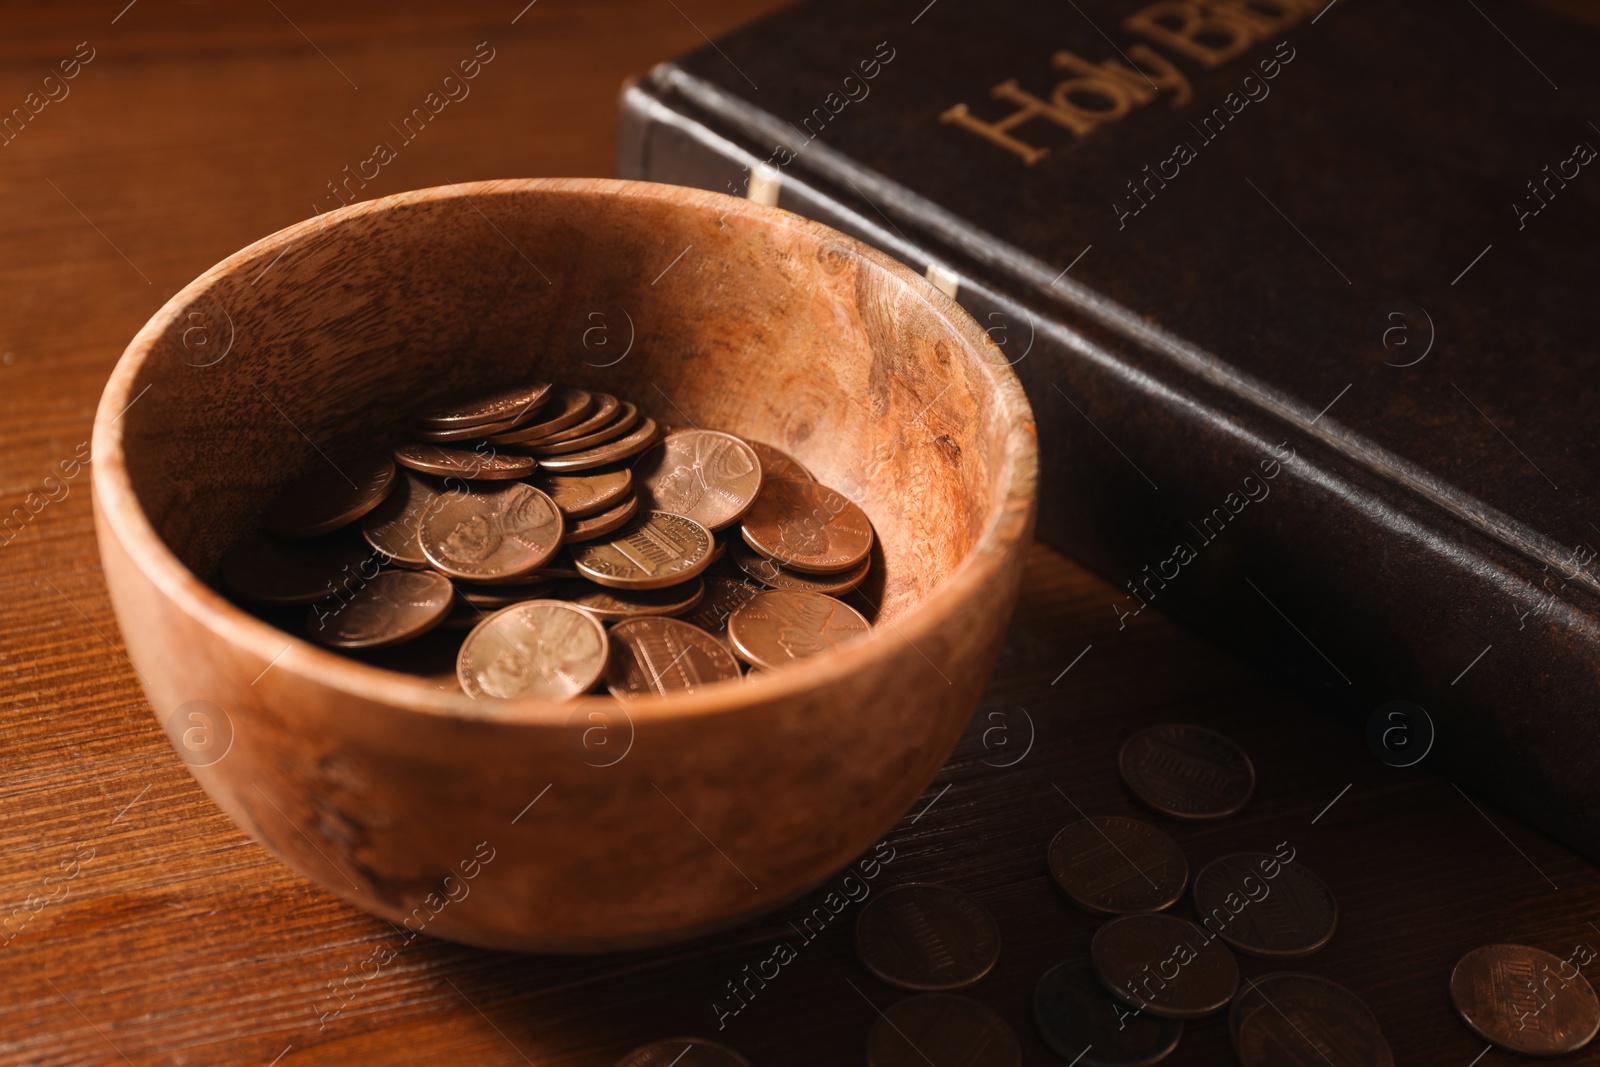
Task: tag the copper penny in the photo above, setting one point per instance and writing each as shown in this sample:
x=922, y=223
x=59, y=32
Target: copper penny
x=392, y=527
x=614, y=605
x=479, y=407
x=723, y=597
x=655, y=550
x=807, y=527
x=599, y=525
x=461, y=433
x=683, y=1052
x=390, y=607
x=1524, y=1000
x=653, y=656
x=265, y=570
x=581, y=495
x=603, y=408
x=1080, y=1022
x=485, y=464
x=1111, y=865
x=498, y=532
x=941, y=1030
x=494, y=597
x=711, y=477
x=565, y=409
x=769, y=573
x=540, y=649
x=1265, y=907
x=776, y=463
x=329, y=496
x=1187, y=772
x=623, y=420
x=1166, y=966
x=1301, y=1020
x=630, y=444
x=927, y=937
x=778, y=627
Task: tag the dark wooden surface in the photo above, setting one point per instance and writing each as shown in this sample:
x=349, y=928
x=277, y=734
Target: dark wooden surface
x=198, y=128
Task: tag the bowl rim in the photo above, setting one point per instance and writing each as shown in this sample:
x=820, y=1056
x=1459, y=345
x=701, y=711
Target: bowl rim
x=120, y=509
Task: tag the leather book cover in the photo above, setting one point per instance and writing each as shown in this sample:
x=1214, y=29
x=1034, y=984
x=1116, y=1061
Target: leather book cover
x=1303, y=294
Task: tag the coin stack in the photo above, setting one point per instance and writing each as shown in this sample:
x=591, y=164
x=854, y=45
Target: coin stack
x=571, y=536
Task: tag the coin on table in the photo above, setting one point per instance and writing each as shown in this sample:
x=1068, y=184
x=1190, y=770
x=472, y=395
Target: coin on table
x=587, y=529
x=768, y=572
x=778, y=626
x=776, y=463
x=655, y=550
x=1111, y=865
x=494, y=597
x=654, y=656
x=581, y=495
x=927, y=937
x=497, y=532
x=480, y=407
x=1301, y=1020
x=1133, y=955
x=565, y=409
x=543, y=649
x=334, y=493
x=393, y=526
x=614, y=605
x=1080, y=1021
x=711, y=477
x=629, y=444
x=683, y=1052
x=625, y=418
x=807, y=527
x=386, y=609
x=603, y=408
x=484, y=465
x=265, y=570
x=1187, y=772
x=723, y=597
x=1288, y=914
x=1525, y=1000
x=941, y=1030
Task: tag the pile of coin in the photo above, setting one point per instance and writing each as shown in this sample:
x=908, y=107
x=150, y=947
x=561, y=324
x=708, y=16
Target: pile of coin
x=574, y=539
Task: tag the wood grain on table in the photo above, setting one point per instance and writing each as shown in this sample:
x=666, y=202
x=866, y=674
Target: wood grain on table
x=163, y=935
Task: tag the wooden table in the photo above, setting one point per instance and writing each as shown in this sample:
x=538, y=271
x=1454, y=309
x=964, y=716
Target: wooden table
x=193, y=130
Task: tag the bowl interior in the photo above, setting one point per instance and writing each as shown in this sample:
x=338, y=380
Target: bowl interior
x=701, y=309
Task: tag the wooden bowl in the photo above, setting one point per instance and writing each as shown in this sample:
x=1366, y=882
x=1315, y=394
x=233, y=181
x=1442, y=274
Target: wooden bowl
x=583, y=826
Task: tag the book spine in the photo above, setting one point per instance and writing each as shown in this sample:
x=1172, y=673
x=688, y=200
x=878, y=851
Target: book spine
x=1312, y=568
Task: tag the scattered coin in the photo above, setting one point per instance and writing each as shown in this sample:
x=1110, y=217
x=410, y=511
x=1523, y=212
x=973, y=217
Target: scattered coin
x=494, y=597
x=614, y=605
x=1290, y=913
x=723, y=596
x=683, y=1052
x=1187, y=772
x=565, y=409
x=540, y=649
x=265, y=570
x=482, y=406
x=1080, y=1021
x=776, y=463
x=941, y=1030
x=603, y=408
x=581, y=495
x=393, y=526
x=485, y=465
x=491, y=533
x=1301, y=1020
x=779, y=626
x=1111, y=865
x=656, y=549
x=630, y=444
x=605, y=522
x=329, y=496
x=769, y=573
x=807, y=527
x=623, y=420
x=653, y=656
x=1133, y=955
x=711, y=477
x=927, y=937
x=390, y=607
x=1524, y=1000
